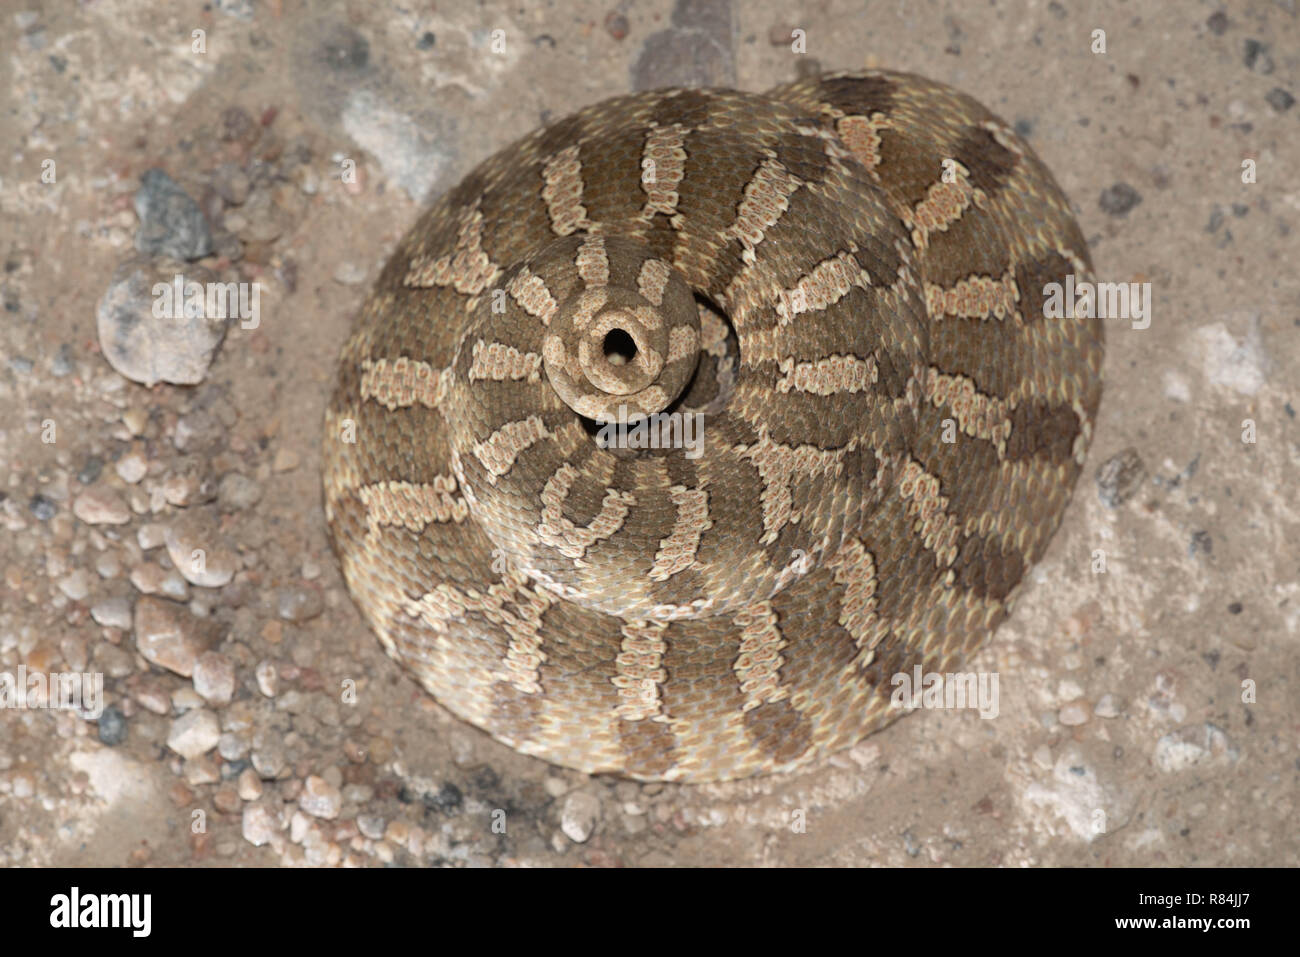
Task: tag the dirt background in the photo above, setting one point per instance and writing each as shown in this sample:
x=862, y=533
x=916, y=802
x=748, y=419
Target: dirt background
x=1148, y=713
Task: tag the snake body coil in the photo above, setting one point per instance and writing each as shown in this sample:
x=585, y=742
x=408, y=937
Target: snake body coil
x=828, y=301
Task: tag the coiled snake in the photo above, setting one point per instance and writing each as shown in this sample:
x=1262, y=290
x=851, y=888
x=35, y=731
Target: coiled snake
x=841, y=284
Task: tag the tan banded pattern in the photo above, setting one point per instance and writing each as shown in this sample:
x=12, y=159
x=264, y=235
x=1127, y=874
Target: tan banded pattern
x=663, y=164
x=413, y=505
x=758, y=666
x=498, y=451
x=530, y=292
x=894, y=423
x=401, y=383
x=640, y=673
x=561, y=533
x=468, y=269
x=767, y=197
x=677, y=552
x=498, y=362
x=562, y=193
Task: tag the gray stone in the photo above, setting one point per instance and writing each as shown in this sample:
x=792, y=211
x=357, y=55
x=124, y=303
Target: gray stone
x=1119, y=199
x=112, y=726
x=1120, y=477
x=177, y=345
x=112, y=612
x=200, y=552
x=170, y=221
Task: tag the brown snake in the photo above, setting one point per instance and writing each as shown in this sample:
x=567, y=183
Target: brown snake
x=845, y=278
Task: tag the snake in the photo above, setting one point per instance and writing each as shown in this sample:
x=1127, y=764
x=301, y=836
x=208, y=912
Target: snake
x=681, y=428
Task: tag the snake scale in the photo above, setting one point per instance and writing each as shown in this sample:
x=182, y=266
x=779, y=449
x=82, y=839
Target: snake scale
x=843, y=281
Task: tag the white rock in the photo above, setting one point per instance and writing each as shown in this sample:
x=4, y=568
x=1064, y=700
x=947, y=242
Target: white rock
x=320, y=799
x=1107, y=707
x=579, y=816
x=214, y=677
x=194, y=733
x=1239, y=366
x=1190, y=746
x=260, y=825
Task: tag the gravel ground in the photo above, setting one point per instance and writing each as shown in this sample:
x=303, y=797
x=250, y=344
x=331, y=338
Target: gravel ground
x=159, y=474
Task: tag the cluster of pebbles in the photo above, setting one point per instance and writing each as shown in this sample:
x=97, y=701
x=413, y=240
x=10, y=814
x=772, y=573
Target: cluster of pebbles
x=169, y=549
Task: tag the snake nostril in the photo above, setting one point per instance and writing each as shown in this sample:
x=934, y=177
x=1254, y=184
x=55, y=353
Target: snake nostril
x=619, y=347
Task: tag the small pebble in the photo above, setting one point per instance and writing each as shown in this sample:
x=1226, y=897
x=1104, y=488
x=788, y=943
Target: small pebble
x=151, y=535
x=75, y=584
x=174, y=346
x=108, y=565
x=151, y=579
x=250, y=785
x=194, y=733
x=91, y=470
x=112, y=726
x=233, y=746
x=268, y=678
x=200, y=771
x=200, y=552
x=237, y=492
x=214, y=678
x=62, y=364
x=185, y=698
x=616, y=25
x=268, y=759
x=286, y=460
x=1073, y=714
x=1120, y=477
x=113, y=661
x=170, y=221
x=1119, y=199
x=132, y=467
x=1279, y=99
x=320, y=799
x=298, y=603
x=1257, y=57
x=259, y=825
x=151, y=694
x=1107, y=707
x=136, y=420
x=167, y=635
x=231, y=183
x=299, y=827
x=23, y=784
x=42, y=508
x=100, y=505
x=579, y=816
